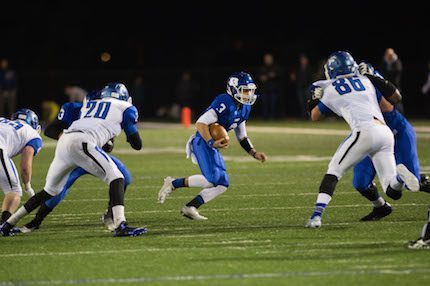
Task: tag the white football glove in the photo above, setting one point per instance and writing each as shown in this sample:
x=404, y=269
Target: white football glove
x=317, y=93
x=28, y=190
x=365, y=68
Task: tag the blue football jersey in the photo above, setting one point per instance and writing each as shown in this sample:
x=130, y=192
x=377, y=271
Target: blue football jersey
x=396, y=121
x=69, y=112
x=229, y=115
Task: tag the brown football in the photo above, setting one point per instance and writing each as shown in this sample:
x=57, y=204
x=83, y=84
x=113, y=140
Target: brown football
x=218, y=131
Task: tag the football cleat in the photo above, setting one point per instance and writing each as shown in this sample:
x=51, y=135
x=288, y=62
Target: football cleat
x=124, y=230
x=6, y=229
x=192, y=213
x=107, y=220
x=378, y=213
x=27, y=229
x=425, y=183
x=314, y=222
x=408, y=178
x=419, y=244
x=166, y=189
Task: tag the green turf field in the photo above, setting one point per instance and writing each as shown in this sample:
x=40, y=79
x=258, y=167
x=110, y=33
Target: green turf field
x=255, y=234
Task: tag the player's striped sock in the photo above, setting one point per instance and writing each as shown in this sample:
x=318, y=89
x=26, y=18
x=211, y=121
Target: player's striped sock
x=322, y=202
x=179, y=183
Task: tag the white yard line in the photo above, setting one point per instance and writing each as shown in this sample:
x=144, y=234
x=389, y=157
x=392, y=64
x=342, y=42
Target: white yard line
x=214, y=277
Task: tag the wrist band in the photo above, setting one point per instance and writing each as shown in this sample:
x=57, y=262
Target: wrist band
x=211, y=142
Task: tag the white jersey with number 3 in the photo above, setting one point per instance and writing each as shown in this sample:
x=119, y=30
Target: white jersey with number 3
x=353, y=98
x=15, y=135
x=102, y=119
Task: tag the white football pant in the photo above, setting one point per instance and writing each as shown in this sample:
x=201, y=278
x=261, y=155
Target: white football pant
x=78, y=149
x=375, y=140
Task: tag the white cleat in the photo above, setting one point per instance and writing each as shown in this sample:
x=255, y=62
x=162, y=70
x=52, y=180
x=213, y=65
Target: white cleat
x=108, y=222
x=25, y=229
x=408, y=178
x=314, y=222
x=419, y=244
x=192, y=213
x=166, y=189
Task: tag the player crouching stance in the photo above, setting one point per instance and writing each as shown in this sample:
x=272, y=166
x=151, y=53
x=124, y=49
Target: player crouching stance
x=100, y=121
x=355, y=98
x=20, y=135
x=231, y=110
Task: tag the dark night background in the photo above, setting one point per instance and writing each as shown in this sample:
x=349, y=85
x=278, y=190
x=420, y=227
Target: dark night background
x=51, y=44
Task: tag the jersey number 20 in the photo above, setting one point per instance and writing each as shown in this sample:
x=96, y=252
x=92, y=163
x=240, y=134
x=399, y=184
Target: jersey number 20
x=100, y=112
x=342, y=87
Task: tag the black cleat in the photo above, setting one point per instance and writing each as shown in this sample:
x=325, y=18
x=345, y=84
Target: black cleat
x=6, y=229
x=424, y=183
x=378, y=213
x=124, y=230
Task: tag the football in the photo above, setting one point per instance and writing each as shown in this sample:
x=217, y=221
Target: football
x=218, y=131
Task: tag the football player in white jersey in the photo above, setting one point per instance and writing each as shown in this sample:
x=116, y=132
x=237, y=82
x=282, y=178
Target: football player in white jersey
x=19, y=135
x=80, y=146
x=354, y=97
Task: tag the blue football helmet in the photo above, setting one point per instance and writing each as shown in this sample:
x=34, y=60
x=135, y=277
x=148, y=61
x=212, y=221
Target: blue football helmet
x=115, y=90
x=28, y=116
x=241, y=87
x=339, y=63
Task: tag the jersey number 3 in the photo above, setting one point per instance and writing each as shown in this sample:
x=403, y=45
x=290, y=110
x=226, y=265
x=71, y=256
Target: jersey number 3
x=100, y=112
x=342, y=87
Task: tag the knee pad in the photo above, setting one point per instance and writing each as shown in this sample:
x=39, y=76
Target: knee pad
x=328, y=184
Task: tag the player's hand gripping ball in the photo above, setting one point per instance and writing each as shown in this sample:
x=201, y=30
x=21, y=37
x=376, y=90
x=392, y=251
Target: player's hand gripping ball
x=220, y=135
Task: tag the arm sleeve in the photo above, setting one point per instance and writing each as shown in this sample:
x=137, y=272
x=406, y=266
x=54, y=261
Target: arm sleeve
x=385, y=87
x=208, y=117
x=135, y=141
x=54, y=129
x=129, y=120
x=240, y=131
x=36, y=143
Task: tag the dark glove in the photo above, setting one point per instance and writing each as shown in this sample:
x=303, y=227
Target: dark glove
x=108, y=147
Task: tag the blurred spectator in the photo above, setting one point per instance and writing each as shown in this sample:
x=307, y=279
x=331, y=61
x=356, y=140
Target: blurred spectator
x=75, y=93
x=425, y=89
x=138, y=94
x=8, y=89
x=391, y=69
x=50, y=111
x=303, y=80
x=269, y=77
x=186, y=89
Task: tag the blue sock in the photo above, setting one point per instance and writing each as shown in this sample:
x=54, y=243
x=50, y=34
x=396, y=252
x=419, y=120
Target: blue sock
x=179, y=183
x=196, y=202
x=319, y=209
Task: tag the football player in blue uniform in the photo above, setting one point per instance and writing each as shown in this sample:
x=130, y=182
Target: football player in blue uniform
x=231, y=110
x=78, y=146
x=405, y=151
x=68, y=113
